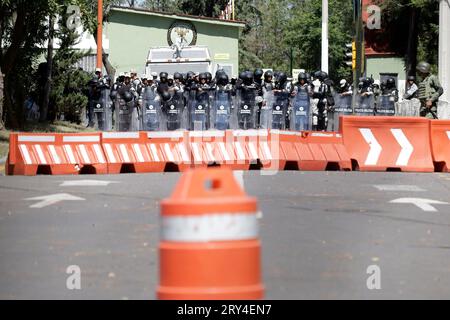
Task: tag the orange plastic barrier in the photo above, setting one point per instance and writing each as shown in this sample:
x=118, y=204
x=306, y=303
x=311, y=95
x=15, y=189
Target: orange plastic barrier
x=313, y=151
x=129, y=152
x=388, y=143
x=440, y=144
x=31, y=154
x=209, y=245
x=174, y=148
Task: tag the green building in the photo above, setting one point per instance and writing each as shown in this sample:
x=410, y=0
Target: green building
x=132, y=32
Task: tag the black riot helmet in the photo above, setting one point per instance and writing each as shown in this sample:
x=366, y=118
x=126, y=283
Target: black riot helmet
x=208, y=77
x=242, y=75
x=308, y=77
x=302, y=76
x=203, y=76
x=411, y=78
x=258, y=74
x=390, y=82
x=190, y=75
x=282, y=78
x=163, y=77
x=268, y=74
x=177, y=76
x=222, y=79
x=248, y=78
x=318, y=75
x=219, y=72
x=127, y=96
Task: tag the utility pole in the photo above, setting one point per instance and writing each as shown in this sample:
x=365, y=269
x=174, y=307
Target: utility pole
x=99, y=33
x=444, y=48
x=324, y=65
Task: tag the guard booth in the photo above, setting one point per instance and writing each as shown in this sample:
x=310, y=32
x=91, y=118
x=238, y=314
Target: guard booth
x=168, y=59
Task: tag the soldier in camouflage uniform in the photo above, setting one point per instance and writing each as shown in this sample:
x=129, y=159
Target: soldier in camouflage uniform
x=430, y=90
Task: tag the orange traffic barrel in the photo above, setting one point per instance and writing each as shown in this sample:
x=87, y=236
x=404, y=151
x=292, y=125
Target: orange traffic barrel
x=209, y=246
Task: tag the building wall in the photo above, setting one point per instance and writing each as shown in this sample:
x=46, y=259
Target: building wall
x=377, y=65
x=131, y=35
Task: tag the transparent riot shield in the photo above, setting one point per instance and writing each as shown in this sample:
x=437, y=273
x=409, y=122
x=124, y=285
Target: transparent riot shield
x=175, y=114
x=279, y=110
x=265, y=118
x=152, y=115
x=126, y=114
x=102, y=111
x=300, y=117
x=343, y=106
x=199, y=107
x=385, y=105
x=364, y=105
x=221, y=110
x=246, y=108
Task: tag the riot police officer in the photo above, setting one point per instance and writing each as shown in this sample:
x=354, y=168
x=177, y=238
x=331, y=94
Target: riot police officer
x=247, y=104
x=321, y=92
x=199, y=106
x=365, y=104
x=222, y=103
x=300, y=115
x=411, y=88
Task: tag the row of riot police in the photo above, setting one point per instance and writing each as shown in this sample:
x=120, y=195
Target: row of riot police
x=253, y=100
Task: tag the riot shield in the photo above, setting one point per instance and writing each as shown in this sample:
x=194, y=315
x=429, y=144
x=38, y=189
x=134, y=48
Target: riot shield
x=279, y=110
x=221, y=110
x=246, y=108
x=265, y=117
x=199, y=106
x=364, y=105
x=102, y=111
x=300, y=117
x=385, y=105
x=343, y=106
x=126, y=117
x=152, y=116
x=175, y=112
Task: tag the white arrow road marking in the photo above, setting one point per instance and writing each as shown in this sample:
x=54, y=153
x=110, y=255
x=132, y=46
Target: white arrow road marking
x=239, y=176
x=86, y=183
x=424, y=204
x=407, y=148
x=398, y=187
x=52, y=199
x=375, y=147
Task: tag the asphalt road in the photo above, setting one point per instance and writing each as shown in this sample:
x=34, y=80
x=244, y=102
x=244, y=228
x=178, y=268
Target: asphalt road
x=320, y=231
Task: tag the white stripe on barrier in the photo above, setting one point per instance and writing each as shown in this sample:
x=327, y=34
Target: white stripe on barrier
x=162, y=134
x=138, y=152
x=84, y=153
x=197, y=155
x=224, y=151
x=81, y=139
x=266, y=150
x=323, y=135
x=209, y=150
x=448, y=134
x=124, y=153
x=253, y=152
x=207, y=134
x=154, y=152
x=36, y=138
x=285, y=133
x=183, y=152
x=240, y=152
x=99, y=154
x=54, y=154
x=211, y=227
x=168, y=152
x=25, y=154
x=250, y=133
x=120, y=135
x=69, y=153
x=110, y=153
x=40, y=154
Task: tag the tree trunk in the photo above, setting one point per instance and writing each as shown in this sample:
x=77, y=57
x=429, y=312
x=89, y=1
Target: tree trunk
x=48, y=82
x=411, y=52
x=110, y=70
x=2, y=123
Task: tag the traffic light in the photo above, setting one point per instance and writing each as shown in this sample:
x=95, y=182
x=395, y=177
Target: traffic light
x=350, y=53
